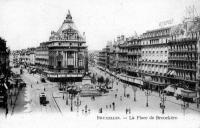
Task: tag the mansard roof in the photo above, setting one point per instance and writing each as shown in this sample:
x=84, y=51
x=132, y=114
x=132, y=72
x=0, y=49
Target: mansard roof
x=67, y=31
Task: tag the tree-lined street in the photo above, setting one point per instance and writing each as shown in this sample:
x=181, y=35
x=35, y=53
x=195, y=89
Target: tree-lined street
x=113, y=102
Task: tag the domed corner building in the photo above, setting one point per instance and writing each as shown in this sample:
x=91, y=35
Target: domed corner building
x=64, y=57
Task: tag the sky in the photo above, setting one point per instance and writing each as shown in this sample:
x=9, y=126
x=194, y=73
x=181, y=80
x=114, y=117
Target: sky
x=27, y=23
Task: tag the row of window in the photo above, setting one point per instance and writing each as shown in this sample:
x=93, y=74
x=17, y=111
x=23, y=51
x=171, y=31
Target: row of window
x=163, y=32
x=186, y=75
x=65, y=44
x=184, y=47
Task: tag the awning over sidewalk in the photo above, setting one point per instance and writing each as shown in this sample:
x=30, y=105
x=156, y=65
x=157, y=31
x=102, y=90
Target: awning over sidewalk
x=173, y=73
x=169, y=89
x=186, y=93
x=178, y=91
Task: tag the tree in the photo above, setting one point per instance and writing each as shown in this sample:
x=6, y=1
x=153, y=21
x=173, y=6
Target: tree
x=100, y=80
x=93, y=79
x=107, y=80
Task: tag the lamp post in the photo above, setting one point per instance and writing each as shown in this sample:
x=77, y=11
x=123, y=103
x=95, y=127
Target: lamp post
x=63, y=90
x=73, y=91
x=77, y=103
x=124, y=85
x=184, y=106
x=134, y=90
x=71, y=97
x=162, y=104
x=198, y=97
x=147, y=92
x=66, y=96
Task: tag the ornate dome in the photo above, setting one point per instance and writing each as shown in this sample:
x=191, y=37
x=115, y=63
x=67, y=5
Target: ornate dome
x=67, y=31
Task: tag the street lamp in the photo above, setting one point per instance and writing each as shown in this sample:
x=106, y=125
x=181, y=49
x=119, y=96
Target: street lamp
x=77, y=103
x=63, y=90
x=134, y=90
x=147, y=92
x=184, y=106
x=198, y=97
x=124, y=85
x=66, y=95
x=162, y=104
x=72, y=90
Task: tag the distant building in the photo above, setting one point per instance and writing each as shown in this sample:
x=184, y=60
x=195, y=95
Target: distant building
x=32, y=56
x=102, y=59
x=93, y=57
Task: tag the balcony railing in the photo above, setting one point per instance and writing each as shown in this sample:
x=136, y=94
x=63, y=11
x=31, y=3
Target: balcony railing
x=183, y=50
x=123, y=60
x=182, y=68
x=183, y=58
x=134, y=53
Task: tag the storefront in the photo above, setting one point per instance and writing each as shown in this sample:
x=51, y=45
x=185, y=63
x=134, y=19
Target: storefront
x=61, y=77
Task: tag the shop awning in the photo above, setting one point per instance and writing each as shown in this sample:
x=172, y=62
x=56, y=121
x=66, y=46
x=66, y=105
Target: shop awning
x=178, y=91
x=188, y=93
x=173, y=73
x=165, y=71
x=169, y=72
x=169, y=89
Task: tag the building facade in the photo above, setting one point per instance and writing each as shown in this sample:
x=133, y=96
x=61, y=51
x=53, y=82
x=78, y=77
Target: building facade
x=155, y=56
x=64, y=56
x=102, y=59
x=3, y=58
x=183, y=54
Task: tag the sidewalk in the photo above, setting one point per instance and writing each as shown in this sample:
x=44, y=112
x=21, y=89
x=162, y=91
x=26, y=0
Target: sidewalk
x=170, y=99
x=192, y=106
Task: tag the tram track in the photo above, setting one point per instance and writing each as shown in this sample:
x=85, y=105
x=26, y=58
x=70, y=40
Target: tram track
x=56, y=104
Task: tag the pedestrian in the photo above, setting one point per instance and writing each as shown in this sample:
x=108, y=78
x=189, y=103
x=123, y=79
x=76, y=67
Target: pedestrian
x=126, y=110
x=31, y=85
x=100, y=110
x=115, y=95
x=110, y=105
x=113, y=105
x=6, y=110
